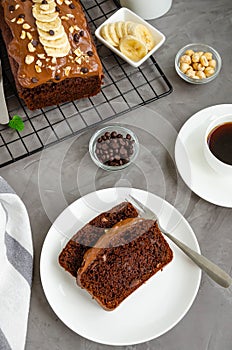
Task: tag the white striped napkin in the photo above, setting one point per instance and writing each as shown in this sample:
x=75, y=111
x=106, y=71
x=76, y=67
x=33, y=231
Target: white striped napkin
x=16, y=263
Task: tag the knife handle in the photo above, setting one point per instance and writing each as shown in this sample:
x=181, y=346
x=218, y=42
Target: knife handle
x=212, y=270
x=4, y=116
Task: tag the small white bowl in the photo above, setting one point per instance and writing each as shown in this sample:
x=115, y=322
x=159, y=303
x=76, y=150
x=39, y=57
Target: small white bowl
x=126, y=15
x=216, y=164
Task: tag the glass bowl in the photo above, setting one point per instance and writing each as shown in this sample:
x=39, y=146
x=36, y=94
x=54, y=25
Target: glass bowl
x=120, y=143
x=197, y=48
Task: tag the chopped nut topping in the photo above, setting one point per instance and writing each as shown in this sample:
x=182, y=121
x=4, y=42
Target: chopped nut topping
x=67, y=2
x=52, y=68
x=78, y=60
x=16, y=6
x=47, y=59
x=29, y=35
x=71, y=58
x=20, y=20
x=76, y=27
x=13, y=20
x=65, y=18
x=70, y=15
x=29, y=59
x=78, y=52
x=41, y=56
x=31, y=48
x=59, y=2
x=39, y=63
x=104, y=220
x=23, y=35
x=53, y=60
x=38, y=69
x=71, y=29
x=26, y=26
x=67, y=70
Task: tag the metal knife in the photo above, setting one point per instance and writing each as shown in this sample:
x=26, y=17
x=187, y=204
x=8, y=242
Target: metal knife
x=4, y=115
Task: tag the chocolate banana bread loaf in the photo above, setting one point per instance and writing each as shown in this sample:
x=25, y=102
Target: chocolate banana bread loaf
x=52, y=55
x=122, y=260
x=72, y=255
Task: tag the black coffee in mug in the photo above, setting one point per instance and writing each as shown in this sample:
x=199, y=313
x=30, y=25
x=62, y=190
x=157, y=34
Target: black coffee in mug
x=220, y=142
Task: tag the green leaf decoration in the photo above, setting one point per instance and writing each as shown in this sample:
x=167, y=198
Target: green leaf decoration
x=16, y=123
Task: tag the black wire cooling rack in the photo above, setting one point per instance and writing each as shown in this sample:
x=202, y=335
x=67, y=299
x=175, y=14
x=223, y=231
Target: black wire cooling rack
x=125, y=88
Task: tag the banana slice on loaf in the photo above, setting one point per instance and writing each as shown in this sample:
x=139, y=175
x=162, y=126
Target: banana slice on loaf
x=50, y=29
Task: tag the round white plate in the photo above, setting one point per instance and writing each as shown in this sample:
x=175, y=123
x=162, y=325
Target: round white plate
x=191, y=163
x=152, y=309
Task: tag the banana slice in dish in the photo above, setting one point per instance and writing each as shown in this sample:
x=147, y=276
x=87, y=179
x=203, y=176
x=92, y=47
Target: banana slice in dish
x=119, y=29
x=141, y=32
x=133, y=48
x=106, y=35
x=113, y=34
x=125, y=27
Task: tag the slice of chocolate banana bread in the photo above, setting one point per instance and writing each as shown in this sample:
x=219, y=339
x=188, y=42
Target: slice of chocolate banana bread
x=122, y=260
x=72, y=255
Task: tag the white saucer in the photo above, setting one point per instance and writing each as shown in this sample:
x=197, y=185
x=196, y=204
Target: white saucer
x=191, y=163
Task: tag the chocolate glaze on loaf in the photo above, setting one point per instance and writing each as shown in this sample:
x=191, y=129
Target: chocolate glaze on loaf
x=72, y=255
x=122, y=260
x=41, y=78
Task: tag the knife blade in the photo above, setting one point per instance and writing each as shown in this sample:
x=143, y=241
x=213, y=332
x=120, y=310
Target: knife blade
x=4, y=115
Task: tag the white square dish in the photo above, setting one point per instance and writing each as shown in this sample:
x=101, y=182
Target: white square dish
x=124, y=14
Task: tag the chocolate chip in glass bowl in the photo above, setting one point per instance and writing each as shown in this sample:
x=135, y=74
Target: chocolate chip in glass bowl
x=113, y=149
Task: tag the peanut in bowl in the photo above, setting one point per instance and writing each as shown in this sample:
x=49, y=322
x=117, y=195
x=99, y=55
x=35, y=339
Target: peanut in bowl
x=198, y=63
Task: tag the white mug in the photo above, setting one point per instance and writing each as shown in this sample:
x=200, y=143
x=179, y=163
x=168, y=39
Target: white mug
x=148, y=9
x=218, y=166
